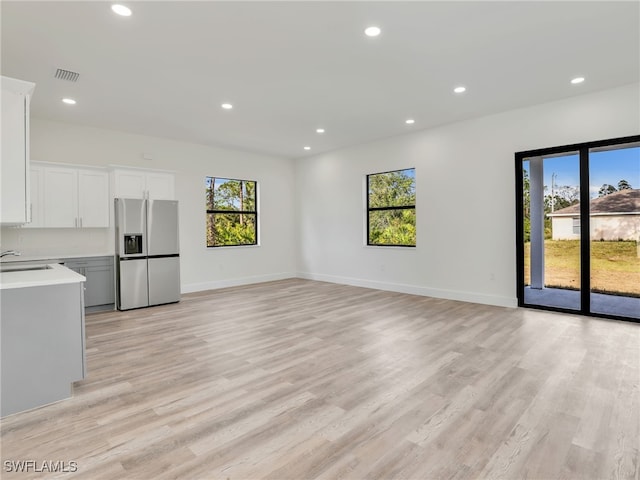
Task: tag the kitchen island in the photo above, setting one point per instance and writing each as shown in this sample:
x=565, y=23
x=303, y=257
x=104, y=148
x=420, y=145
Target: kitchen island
x=42, y=337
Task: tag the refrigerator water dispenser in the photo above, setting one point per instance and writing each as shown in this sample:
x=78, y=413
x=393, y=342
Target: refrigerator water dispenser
x=132, y=244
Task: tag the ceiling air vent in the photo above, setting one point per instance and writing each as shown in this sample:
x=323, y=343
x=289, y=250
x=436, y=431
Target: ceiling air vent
x=67, y=75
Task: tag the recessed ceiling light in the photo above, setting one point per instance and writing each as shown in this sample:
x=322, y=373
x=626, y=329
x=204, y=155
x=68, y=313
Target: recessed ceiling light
x=372, y=31
x=319, y=130
x=460, y=89
x=69, y=101
x=409, y=121
x=577, y=80
x=121, y=10
x=307, y=148
x=227, y=106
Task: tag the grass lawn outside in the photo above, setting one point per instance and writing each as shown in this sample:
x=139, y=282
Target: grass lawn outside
x=615, y=266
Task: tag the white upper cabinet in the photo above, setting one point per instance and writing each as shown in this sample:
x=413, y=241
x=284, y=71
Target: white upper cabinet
x=134, y=183
x=68, y=197
x=129, y=184
x=14, y=162
x=160, y=186
x=93, y=198
x=60, y=197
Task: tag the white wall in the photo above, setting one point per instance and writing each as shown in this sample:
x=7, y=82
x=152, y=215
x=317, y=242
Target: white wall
x=465, y=189
x=603, y=227
x=201, y=268
x=562, y=228
x=615, y=227
x=313, y=210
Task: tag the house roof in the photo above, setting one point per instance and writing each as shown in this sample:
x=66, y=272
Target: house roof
x=623, y=201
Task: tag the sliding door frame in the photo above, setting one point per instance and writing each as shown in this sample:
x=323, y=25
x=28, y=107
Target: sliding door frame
x=585, y=227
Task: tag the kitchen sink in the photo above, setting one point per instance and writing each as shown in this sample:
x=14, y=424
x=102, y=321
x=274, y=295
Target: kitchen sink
x=22, y=268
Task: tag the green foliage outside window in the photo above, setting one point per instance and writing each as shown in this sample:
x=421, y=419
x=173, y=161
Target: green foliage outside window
x=391, y=207
x=232, y=216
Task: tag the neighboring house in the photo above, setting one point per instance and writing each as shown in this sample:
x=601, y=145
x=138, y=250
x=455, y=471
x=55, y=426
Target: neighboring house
x=613, y=217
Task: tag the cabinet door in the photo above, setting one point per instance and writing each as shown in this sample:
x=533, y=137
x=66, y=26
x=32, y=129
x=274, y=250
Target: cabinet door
x=37, y=194
x=160, y=186
x=99, y=286
x=13, y=169
x=93, y=199
x=129, y=184
x=60, y=197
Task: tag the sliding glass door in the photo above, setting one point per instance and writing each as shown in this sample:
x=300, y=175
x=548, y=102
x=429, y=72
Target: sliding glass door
x=614, y=211
x=578, y=228
x=551, y=244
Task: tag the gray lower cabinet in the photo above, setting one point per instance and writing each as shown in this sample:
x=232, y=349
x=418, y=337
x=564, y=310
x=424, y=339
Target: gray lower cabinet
x=42, y=345
x=99, y=291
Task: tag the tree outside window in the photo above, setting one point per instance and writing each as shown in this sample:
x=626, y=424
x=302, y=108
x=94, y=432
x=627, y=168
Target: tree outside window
x=391, y=208
x=232, y=215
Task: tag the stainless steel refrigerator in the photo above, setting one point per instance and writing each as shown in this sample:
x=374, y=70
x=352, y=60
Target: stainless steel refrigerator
x=147, y=253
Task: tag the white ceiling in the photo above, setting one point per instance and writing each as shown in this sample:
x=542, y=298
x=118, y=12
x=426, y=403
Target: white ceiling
x=291, y=67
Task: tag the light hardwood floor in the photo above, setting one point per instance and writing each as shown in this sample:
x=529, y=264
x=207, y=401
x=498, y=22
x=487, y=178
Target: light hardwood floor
x=298, y=380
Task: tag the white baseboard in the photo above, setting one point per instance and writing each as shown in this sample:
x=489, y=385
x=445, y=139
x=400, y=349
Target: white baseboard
x=357, y=282
x=234, y=282
x=471, y=297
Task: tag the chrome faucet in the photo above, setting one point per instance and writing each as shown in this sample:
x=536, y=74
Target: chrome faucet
x=10, y=252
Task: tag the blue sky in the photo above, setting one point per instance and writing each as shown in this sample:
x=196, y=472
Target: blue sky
x=608, y=166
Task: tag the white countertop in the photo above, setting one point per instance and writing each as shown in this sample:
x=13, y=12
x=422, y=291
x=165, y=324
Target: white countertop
x=55, y=275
